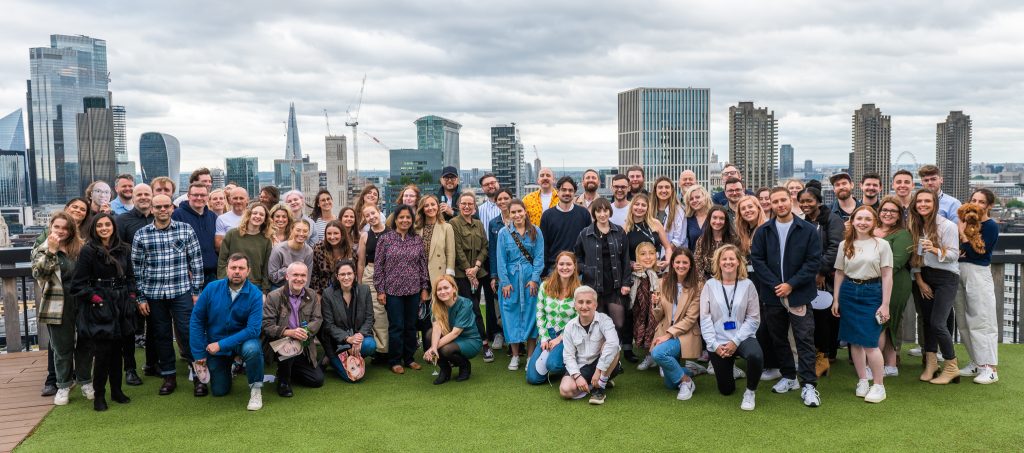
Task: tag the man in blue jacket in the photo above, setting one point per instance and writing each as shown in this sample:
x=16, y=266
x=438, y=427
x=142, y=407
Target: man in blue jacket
x=204, y=222
x=226, y=322
x=786, y=255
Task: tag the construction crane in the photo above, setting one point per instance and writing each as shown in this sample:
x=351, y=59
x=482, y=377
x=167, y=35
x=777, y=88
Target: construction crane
x=354, y=124
x=328, y=121
x=382, y=144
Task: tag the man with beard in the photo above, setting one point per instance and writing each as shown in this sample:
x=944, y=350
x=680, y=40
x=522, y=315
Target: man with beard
x=686, y=179
x=931, y=179
x=562, y=225
x=844, y=205
x=122, y=203
x=729, y=171
x=448, y=194
x=870, y=186
x=620, y=204
x=591, y=181
x=543, y=199
x=636, y=177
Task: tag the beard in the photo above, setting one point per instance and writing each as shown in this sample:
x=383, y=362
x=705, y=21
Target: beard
x=590, y=186
x=843, y=194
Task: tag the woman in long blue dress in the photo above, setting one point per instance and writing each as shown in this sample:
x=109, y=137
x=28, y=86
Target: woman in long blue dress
x=520, y=261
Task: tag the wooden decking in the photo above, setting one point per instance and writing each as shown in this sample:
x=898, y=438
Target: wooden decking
x=21, y=407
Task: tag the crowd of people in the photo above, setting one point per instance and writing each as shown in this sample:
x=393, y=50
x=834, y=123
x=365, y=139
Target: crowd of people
x=572, y=284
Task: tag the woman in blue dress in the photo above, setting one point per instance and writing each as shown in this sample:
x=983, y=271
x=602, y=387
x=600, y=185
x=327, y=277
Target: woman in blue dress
x=520, y=261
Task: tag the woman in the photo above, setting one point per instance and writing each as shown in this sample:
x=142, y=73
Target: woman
x=470, y=254
x=677, y=310
x=348, y=220
x=455, y=338
x=218, y=202
x=502, y=199
x=863, y=287
x=764, y=198
x=938, y=249
x=370, y=195
x=293, y=250
x=554, y=310
x=698, y=208
x=400, y=277
x=976, y=304
x=270, y=196
x=729, y=315
x=105, y=293
x=328, y=252
x=718, y=231
x=603, y=253
x=367, y=253
x=438, y=247
x=520, y=261
x=78, y=209
x=252, y=238
x=669, y=212
x=98, y=194
x=348, y=317
x=280, y=223
x=831, y=229
x=750, y=217
x=296, y=204
x=323, y=213
x=54, y=261
x=410, y=195
x=794, y=186
x=641, y=226
x=893, y=229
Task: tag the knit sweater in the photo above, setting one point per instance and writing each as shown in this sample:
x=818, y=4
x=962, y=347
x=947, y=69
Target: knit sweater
x=256, y=247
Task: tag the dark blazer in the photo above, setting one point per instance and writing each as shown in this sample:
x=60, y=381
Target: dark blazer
x=588, y=255
x=799, y=266
x=338, y=325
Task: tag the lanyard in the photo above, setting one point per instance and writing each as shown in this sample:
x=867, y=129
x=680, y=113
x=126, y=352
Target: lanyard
x=728, y=302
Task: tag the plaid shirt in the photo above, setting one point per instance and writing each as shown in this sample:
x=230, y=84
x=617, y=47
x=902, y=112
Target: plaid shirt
x=167, y=262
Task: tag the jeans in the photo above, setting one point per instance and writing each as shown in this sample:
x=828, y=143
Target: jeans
x=72, y=358
x=402, y=314
x=369, y=347
x=554, y=362
x=750, y=350
x=779, y=321
x=936, y=311
x=666, y=355
x=220, y=367
x=165, y=312
x=976, y=314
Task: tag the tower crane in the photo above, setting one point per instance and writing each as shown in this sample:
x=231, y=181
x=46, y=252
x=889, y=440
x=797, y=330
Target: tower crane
x=328, y=121
x=353, y=122
x=382, y=144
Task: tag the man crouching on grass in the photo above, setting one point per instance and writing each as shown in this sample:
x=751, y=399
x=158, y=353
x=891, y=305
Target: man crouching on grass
x=591, y=351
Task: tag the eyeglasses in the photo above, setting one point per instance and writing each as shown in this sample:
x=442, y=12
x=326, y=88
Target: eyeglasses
x=161, y=207
x=198, y=195
x=620, y=187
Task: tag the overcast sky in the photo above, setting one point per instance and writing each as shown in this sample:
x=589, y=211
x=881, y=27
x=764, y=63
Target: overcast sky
x=219, y=75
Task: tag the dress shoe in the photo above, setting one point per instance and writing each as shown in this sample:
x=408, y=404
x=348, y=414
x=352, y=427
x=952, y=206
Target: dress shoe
x=200, y=389
x=119, y=397
x=397, y=369
x=99, y=404
x=170, y=383
x=415, y=366
x=628, y=355
x=132, y=378
x=49, y=390
x=284, y=389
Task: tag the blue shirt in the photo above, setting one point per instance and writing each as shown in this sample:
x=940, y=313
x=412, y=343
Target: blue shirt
x=216, y=318
x=205, y=227
x=838, y=210
x=948, y=206
x=167, y=262
x=117, y=207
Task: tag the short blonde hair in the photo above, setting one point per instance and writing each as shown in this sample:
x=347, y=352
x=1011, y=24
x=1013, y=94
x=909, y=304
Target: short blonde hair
x=741, y=269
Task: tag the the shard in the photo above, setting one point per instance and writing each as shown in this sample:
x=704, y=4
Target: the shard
x=292, y=148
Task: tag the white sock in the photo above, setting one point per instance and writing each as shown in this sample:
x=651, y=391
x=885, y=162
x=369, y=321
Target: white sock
x=542, y=362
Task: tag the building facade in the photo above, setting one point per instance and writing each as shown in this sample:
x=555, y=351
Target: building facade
x=159, y=155
x=507, y=158
x=14, y=182
x=753, y=138
x=786, y=161
x=412, y=166
x=337, y=168
x=664, y=131
x=243, y=172
x=435, y=132
x=96, y=152
x=808, y=166
x=953, y=154
x=872, y=146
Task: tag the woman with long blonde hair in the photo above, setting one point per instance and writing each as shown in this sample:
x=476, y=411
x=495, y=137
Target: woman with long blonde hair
x=455, y=338
x=254, y=238
x=750, y=216
x=668, y=211
x=698, y=204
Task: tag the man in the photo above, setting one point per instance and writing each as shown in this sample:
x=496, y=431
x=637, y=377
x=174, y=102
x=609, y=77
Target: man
x=589, y=365
x=620, y=205
x=728, y=171
x=543, y=199
x=168, y=265
x=225, y=323
x=903, y=188
x=687, y=179
x=931, y=179
x=786, y=255
x=562, y=225
x=163, y=185
x=123, y=185
x=488, y=210
x=200, y=175
x=204, y=223
x=238, y=200
x=870, y=186
x=128, y=224
x=635, y=174
x=293, y=311
x=733, y=192
x=842, y=185
x=448, y=193
x=591, y=182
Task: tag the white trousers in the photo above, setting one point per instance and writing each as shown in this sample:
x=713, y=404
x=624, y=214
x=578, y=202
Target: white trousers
x=975, y=309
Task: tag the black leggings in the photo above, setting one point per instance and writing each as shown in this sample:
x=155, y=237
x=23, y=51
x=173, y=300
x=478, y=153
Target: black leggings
x=107, y=366
x=936, y=311
x=451, y=353
x=750, y=350
x=614, y=305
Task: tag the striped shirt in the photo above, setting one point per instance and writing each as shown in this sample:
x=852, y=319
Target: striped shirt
x=487, y=212
x=167, y=262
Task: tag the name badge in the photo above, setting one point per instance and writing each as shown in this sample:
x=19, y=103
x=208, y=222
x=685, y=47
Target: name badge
x=750, y=268
x=729, y=325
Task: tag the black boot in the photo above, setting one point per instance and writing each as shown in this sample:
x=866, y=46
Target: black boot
x=132, y=378
x=465, y=369
x=284, y=389
x=446, y=371
x=117, y=395
x=99, y=402
x=628, y=355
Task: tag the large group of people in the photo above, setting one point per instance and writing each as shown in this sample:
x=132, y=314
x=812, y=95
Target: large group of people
x=677, y=280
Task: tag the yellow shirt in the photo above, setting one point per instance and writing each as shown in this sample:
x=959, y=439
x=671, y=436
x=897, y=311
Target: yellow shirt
x=534, y=208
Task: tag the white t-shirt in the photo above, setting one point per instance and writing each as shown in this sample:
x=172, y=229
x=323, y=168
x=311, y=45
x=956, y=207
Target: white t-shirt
x=869, y=257
x=783, y=230
x=227, y=221
x=545, y=201
x=619, y=215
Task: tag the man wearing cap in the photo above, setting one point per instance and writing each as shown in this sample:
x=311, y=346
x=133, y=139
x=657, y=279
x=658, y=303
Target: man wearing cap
x=844, y=205
x=541, y=200
x=449, y=191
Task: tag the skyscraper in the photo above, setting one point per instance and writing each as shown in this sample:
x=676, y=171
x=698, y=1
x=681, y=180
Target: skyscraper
x=292, y=148
x=12, y=132
x=244, y=172
x=753, y=134
x=664, y=131
x=217, y=175
x=786, y=161
x=337, y=168
x=96, y=154
x=434, y=132
x=953, y=154
x=159, y=155
x=507, y=157
x=124, y=164
x=14, y=182
x=288, y=171
x=808, y=166
x=62, y=75
x=872, y=145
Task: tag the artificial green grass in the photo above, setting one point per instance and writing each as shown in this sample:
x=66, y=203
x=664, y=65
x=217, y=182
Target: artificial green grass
x=497, y=411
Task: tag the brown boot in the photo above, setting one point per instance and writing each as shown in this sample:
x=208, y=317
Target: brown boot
x=950, y=373
x=931, y=366
x=821, y=365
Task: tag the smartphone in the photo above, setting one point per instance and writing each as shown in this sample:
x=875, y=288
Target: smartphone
x=878, y=318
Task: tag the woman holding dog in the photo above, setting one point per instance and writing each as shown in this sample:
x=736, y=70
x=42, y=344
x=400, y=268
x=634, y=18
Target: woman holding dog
x=975, y=306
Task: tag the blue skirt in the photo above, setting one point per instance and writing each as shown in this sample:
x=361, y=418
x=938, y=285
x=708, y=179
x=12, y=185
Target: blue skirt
x=857, y=307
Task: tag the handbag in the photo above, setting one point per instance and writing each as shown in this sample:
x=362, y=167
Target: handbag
x=353, y=364
x=286, y=347
x=519, y=243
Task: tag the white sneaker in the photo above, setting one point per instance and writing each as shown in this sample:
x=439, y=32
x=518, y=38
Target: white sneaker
x=711, y=369
x=686, y=389
x=737, y=373
x=986, y=375
x=696, y=368
x=970, y=370
x=661, y=372
x=499, y=341
x=876, y=394
x=255, y=399
x=748, y=400
x=62, y=397
x=541, y=365
x=939, y=357
x=891, y=371
x=771, y=374
x=88, y=392
x=862, y=388
x=916, y=352
x=810, y=396
x=784, y=385
x=646, y=363
x=513, y=365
